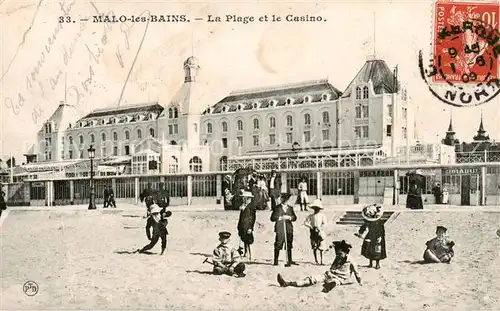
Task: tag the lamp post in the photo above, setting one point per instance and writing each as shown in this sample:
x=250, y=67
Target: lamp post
x=91, y=151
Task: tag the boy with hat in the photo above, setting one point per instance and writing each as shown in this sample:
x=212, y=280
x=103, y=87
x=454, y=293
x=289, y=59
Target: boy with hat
x=246, y=223
x=226, y=259
x=316, y=223
x=440, y=248
x=338, y=274
x=283, y=216
x=158, y=221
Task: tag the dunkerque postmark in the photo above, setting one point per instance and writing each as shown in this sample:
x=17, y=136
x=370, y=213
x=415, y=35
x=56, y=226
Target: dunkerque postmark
x=463, y=68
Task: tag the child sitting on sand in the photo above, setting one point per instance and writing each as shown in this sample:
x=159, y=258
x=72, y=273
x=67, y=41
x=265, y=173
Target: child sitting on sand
x=226, y=259
x=440, y=248
x=339, y=274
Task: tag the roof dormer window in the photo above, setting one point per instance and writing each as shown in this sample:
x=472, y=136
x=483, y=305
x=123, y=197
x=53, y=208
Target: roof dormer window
x=208, y=111
x=239, y=107
x=255, y=105
x=289, y=101
x=325, y=97
x=307, y=99
x=224, y=109
x=272, y=103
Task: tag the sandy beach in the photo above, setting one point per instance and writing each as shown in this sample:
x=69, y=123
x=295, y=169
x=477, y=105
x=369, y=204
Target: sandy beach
x=82, y=259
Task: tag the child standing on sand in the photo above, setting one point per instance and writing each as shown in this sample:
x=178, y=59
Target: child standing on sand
x=339, y=274
x=316, y=223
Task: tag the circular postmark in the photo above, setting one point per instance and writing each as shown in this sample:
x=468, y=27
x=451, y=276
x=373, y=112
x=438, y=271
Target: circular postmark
x=464, y=68
x=30, y=288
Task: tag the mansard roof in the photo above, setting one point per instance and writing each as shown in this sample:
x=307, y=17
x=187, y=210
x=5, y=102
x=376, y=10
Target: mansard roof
x=64, y=115
x=130, y=109
x=263, y=97
x=379, y=73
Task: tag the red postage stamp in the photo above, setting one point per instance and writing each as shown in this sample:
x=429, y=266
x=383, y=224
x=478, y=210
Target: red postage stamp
x=466, y=41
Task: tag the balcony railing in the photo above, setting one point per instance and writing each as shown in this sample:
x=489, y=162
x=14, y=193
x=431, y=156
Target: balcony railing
x=478, y=156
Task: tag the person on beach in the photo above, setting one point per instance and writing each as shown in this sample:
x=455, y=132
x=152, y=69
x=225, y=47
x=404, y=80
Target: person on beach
x=246, y=223
x=302, y=198
x=339, y=273
x=147, y=196
x=111, y=198
x=374, y=241
x=226, y=259
x=274, y=189
x=3, y=205
x=440, y=248
x=162, y=198
x=106, y=197
x=283, y=217
x=316, y=223
x=158, y=222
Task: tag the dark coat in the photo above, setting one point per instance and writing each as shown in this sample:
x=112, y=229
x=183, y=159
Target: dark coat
x=274, y=193
x=375, y=230
x=161, y=198
x=279, y=228
x=159, y=228
x=246, y=222
x=3, y=205
x=147, y=195
x=106, y=193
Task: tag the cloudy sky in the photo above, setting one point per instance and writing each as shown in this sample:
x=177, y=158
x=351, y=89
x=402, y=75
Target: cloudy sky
x=37, y=54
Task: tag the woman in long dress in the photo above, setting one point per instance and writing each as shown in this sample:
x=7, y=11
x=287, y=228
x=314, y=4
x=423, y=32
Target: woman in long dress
x=374, y=241
x=246, y=222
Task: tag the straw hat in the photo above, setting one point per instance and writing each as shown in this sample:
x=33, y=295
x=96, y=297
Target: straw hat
x=316, y=204
x=372, y=212
x=246, y=194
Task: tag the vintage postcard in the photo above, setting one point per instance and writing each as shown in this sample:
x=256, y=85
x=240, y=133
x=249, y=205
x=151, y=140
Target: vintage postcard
x=218, y=155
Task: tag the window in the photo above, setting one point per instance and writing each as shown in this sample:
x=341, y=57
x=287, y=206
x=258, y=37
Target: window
x=224, y=142
x=70, y=153
x=104, y=152
x=289, y=101
x=365, y=92
x=326, y=117
x=255, y=124
x=390, y=110
x=127, y=150
x=223, y=163
x=195, y=164
x=71, y=140
x=365, y=111
x=92, y=138
x=240, y=141
x=176, y=113
x=389, y=130
x=405, y=113
x=289, y=138
x=170, y=129
x=307, y=119
x=272, y=122
x=365, y=131
x=357, y=130
x=170, y=113
x=224, y=127
x=115, y=150
x=405, y=132
x=81, y=154
x=127, y=135
x=307, y=99
x=173, y=142
x=358, y=93
x=307, y=136
x=326, y=134
x=139, y=133
x=239, y=125
x=176, y=129
x=256, y=141
x=173, y=165
x=151, y=132
x=358, y=112
x=272, y=139
x=81, y=139
x=115, y=136
x=289, y=121
x=325, y=97
x=209, y=128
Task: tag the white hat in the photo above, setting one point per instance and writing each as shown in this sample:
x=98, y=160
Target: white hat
x=246, y=194
x=372, y=212
x=155, y=209
x=316, y=203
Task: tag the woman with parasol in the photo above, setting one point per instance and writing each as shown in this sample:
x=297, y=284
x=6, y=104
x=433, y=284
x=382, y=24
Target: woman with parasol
x=374, y=241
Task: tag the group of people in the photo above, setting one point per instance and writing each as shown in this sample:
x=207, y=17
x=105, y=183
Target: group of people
x=109, y=197
x=228, y=260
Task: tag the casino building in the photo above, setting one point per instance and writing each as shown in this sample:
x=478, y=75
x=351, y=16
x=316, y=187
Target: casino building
x=309, y=124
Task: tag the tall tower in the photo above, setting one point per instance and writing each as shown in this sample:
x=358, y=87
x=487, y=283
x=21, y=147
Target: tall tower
x=450, y=139
x=482, y=135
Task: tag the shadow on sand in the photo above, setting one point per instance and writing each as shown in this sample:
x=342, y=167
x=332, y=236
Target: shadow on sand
x=134, y=252
x=201, y=254
x=250, y=263
x=132, y=216
x=199, y=272
x=416, y=262
x=136, y=227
